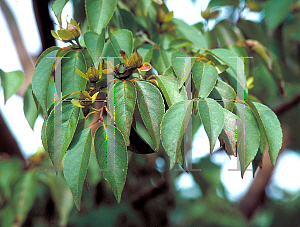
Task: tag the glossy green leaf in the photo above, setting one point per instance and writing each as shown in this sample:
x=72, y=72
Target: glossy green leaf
x=228, y=137
x=166, y=56
x=190, y=32
x=227, y=56
x=30, y=111
x=212, y=118
x=128, y=21
x=157, y=61
x=124, y=99
x=230, y=59
x=248, y=147
x=44, y=54
x=121, y=39
x=276, y=11
x=40, y=79
x=180, y=43
x=269, y=127
x=44, y=137
x=181, y=65
x=205, y=77
x=70, y=117
x=112, y=157
x=169, y=87
x=99, y=13
x=146, y=52
x=66, y=35
x=23, y=196
x=223, y=91
x=71, y=80
x=173, y=126
x=76, y=162
x=152, y=109
x=218, y=3
x=95, y=44
x=57, y=7
x=11, y=82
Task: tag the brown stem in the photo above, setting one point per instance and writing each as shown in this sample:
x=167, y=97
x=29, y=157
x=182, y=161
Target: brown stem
x=286, y=106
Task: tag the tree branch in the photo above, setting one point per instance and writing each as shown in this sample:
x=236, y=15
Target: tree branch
x=23, y=55
x=286, y=106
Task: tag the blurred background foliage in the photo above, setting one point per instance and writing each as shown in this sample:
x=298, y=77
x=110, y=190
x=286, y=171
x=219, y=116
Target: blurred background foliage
x=31, y=196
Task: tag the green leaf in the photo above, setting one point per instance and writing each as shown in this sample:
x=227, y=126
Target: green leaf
x=253, y=30
x=95, y=44
x=124, y=99
x=128, y=21
x=157, y=61
x=62, y=196
x=10, y=172
x=166, y=56
x=257, y=162
x=66, y=35
x=169, y=87
x=146, y=52
x=205, y=77
x=44, y=54
x=276, y=11
x=233, y=126
x=180, y=43
x=189, y=32
x=121, y=39
x=99, y=13
x=23, y=196
x=44, y=138
x=71, y=80
x=88, y=59
x=70, y=117
x=112, y=157
x=7, y=216
x=269, y=126
x=76, y=162
x=223, y=91
x=40, y=79
x=218, y=3
x=227, y=56
x=57, y=8
x=248, y=147
x=180, y=64
x=145, y=5
x=30, y=111
x=212, y=117
x=11, y=82
x=152, y=108
x=230, y=59
x=173, y=126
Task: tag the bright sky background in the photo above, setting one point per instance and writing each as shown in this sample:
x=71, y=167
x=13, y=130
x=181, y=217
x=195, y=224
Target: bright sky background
x=286, y=176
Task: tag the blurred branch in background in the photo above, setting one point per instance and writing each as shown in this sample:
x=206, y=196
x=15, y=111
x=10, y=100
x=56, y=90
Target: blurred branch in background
x=25, y=59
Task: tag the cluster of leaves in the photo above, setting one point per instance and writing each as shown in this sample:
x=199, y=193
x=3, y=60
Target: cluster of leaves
x=20, y=189
x=158, y=100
